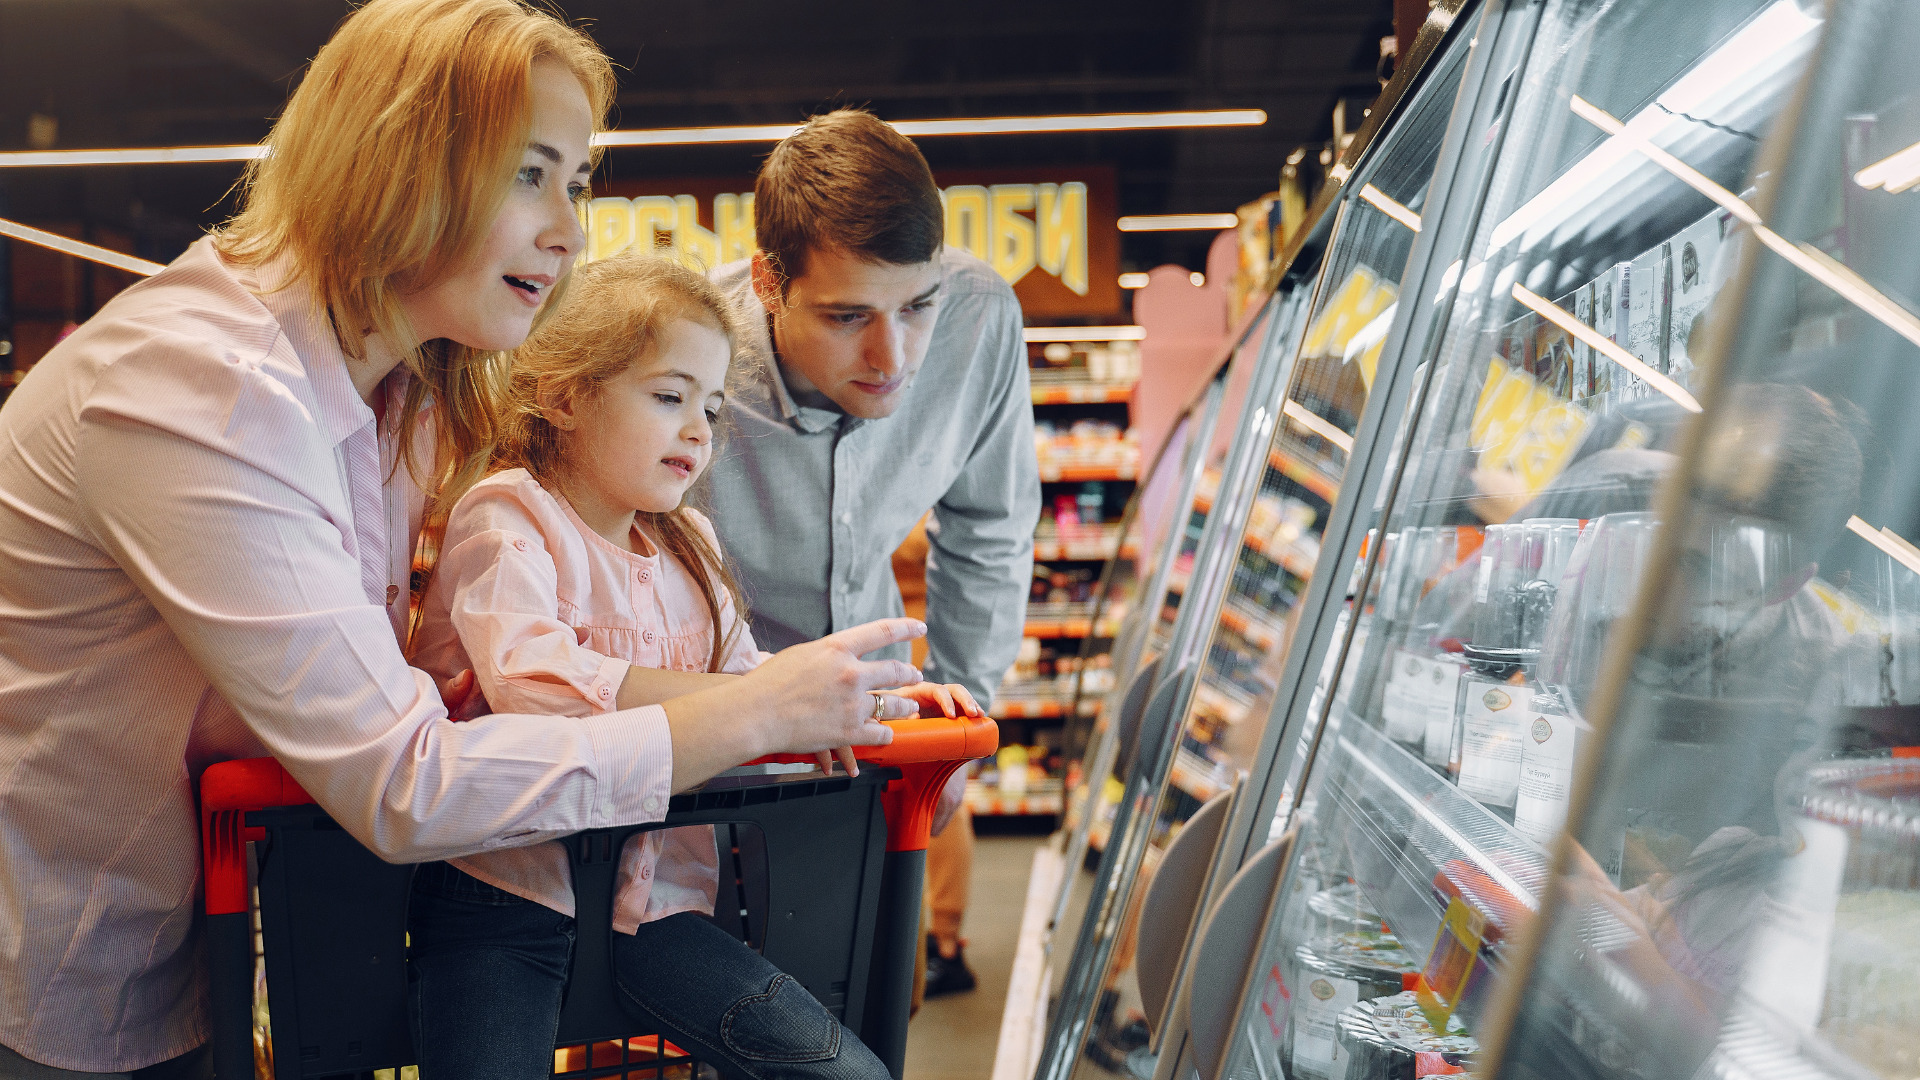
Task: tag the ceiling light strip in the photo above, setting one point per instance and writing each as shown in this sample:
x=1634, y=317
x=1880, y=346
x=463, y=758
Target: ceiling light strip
x=1085, y=333
x=1306, y=418
x=1895, y=173
x=1812, y=261
x=1024, y=125
x=1177, y=222
x=152, y=155
x=1387, y=205
x=1590, y=337
x=1894, y=545
x=78, y=248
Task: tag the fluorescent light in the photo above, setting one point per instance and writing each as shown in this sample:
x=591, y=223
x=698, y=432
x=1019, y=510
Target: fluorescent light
x=1808, y=259
x=1020, y=125
x=1896, y=173
x=78, y=248
x=1381, y=201
x=1086, y=333
x=985, y=125
x=1301, y=415
x=1587, y=335
x=1133, y=281
x=1177, y=222
x=1775, y=39
x=152, y=155
x=1892, y=543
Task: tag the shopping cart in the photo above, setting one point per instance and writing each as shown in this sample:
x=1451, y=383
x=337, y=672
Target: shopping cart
x=333, y=916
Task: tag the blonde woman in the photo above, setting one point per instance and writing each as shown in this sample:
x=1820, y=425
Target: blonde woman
x=210, y=500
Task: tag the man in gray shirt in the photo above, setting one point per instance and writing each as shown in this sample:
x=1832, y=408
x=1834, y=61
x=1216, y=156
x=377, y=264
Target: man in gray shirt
x=884, y=375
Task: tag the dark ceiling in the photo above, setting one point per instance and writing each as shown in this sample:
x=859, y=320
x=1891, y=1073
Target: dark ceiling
x=180, y=72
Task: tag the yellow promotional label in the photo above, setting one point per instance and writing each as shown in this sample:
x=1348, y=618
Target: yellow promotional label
x=1455, y=949
x=1361, y=297
x=1521, y=428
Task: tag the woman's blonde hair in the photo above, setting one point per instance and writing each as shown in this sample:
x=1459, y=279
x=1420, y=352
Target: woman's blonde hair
x=388, y=168
x=610, y=320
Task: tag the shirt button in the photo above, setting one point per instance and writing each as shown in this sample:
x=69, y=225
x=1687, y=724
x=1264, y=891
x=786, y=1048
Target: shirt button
x=644, y=576
x=521, y=544
x=647, y=636
x=846, y=519
x=652, y=803
x=606, y=693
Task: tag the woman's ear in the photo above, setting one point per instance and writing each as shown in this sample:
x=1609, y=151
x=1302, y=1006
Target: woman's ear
x=767, y=282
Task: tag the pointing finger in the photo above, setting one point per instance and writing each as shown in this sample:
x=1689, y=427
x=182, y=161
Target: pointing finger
x=863, y=639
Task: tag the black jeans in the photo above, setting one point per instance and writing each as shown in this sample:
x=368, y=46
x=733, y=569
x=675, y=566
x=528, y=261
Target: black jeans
x=487, y=969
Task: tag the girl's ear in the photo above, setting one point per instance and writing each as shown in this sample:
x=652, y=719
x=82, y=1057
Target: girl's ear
x=767, y=282
x=559, y=409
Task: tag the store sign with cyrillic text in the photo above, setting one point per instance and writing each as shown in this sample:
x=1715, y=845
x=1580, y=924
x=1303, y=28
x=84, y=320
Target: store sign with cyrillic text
x=1050, y=233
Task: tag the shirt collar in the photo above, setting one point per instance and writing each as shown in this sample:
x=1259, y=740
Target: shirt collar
x=310, y=331
x=758, y=352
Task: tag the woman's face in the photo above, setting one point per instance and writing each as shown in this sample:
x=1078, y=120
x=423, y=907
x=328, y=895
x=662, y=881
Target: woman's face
x=490, y=302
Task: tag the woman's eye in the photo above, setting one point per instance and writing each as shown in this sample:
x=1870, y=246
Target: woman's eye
x=531, y=175
x=579, y=193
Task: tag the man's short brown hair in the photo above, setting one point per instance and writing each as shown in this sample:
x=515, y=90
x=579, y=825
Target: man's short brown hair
x=847, y=180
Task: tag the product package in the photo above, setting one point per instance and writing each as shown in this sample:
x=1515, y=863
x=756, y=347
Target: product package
x=1695, y=249
x=1336, y=972
x=1389, y=1038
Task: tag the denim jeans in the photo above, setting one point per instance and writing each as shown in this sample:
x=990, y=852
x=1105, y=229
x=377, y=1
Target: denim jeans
x=487, y=971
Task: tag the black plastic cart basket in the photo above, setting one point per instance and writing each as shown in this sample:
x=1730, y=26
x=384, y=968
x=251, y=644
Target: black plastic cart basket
x=333, y=915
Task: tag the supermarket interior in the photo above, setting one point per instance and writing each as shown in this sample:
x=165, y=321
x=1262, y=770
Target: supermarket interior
x=1468, y=618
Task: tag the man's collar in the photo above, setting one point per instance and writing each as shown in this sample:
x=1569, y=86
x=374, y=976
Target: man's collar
x=758, y=351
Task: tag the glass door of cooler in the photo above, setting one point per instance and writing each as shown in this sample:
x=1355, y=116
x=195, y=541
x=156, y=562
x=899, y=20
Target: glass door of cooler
x=1129, y=829
x=1223, y=672
x=1569, y=314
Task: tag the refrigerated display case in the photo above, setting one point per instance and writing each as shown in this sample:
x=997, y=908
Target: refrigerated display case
x=1246, y=567
x=1622, y=778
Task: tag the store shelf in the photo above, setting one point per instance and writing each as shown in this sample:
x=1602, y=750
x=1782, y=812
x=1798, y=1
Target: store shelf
x=1292, y=557
x=1041, y=799
x=1052, y=473
x=1073, y=620
x=1261, y=629
x=1308, y=474
x=1199, y=777
x=1041, y=708
x=1087, y=543
x=1405, y=823
x=1081, y=393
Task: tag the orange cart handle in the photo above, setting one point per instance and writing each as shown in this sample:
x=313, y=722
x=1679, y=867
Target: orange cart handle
x=927, y=750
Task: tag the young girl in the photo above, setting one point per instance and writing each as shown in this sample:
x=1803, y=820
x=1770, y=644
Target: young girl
x=573, y=582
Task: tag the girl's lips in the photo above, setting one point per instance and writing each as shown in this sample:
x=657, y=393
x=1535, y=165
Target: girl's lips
x=683, y=466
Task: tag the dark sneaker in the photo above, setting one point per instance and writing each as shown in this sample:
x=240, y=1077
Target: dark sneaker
x=948, y=974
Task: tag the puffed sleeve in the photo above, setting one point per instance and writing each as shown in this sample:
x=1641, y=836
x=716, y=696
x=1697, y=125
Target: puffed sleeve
x=504, y=600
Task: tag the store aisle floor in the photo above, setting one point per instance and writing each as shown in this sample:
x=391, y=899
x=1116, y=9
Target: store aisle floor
x=954, y=1037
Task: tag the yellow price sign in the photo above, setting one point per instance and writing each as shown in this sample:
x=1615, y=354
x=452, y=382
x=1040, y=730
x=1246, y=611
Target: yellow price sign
x=1361, y=297
x=1523, y=429
x=1456, y=948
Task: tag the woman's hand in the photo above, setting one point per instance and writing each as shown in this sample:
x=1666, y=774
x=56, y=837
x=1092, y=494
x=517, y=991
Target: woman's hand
x=810, y=698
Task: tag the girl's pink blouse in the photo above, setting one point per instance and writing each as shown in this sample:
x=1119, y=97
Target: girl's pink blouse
x=549, y=615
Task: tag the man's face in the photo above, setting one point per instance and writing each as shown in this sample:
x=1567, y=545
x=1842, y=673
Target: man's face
x=856, y=331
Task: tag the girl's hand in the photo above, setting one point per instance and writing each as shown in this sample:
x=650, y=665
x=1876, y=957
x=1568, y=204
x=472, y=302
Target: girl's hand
x=950, y=699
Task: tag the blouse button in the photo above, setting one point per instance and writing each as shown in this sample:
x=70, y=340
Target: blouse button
x=647, y=636
x=606, y=693
x=521, y=544
x=646, y=872
x=645, y=576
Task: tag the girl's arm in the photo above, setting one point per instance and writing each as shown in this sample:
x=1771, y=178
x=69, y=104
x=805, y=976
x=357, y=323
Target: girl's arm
x=653, y=686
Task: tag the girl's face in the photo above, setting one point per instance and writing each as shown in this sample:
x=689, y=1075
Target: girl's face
x=490, y=301
x=640, y=443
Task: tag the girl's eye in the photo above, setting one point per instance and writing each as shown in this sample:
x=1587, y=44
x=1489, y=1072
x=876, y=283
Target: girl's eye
x=667, y=399
x=713, y=416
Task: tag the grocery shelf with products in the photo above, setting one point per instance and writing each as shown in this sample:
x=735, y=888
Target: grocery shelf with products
x=1605, y=763
x=1251, y=557
x=1089, y=458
